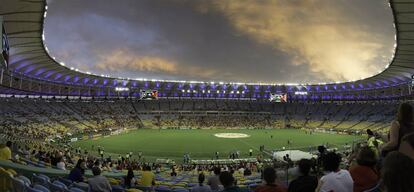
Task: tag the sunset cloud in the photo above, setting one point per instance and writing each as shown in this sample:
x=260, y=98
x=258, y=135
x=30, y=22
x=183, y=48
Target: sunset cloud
x=122, y=60
x=315, y=33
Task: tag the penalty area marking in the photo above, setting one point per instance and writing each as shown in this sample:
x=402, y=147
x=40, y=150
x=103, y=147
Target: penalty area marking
x=231, y=135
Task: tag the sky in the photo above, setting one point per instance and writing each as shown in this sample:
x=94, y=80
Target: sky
x=267, y=41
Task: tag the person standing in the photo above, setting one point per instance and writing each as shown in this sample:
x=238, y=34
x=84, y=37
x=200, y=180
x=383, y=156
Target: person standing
x=305, y=182
x=269, y=176
x=214, y=180
x=335, y=179
x=250, y=152
x=400, y=127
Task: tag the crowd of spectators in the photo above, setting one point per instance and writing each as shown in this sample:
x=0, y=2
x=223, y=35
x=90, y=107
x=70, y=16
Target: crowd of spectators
x=383, y=161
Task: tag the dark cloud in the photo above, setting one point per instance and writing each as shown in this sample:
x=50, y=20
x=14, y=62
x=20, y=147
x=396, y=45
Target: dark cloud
x=247, y=41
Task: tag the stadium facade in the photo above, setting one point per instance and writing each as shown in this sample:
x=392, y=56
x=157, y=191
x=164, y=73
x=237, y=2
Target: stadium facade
x=28, y=69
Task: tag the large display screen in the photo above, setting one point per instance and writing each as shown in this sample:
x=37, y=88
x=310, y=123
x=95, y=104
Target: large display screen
x=278, y=98
x=149, y=94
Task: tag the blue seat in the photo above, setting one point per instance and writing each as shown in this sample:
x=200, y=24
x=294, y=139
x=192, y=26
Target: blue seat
x=162, y=188
x=142, y=188
x=75, y=189
x=41, y=188
x=19, y=185
x=117, y=188
x=29, y=189
x=39, y=180
x=56, y=182
x=25, y=180
x=81, y=185
x=56, y=188
x=67, y=182
x=180, y=190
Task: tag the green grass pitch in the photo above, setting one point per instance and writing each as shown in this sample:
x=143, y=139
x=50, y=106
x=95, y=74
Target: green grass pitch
x=202, y=144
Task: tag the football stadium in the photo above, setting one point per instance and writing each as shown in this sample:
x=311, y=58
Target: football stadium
x=186, y=96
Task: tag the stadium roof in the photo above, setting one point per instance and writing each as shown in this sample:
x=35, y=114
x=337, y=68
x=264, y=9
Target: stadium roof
x=24, y=20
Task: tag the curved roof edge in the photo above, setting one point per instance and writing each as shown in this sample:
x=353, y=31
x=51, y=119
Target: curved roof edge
x=29, y=56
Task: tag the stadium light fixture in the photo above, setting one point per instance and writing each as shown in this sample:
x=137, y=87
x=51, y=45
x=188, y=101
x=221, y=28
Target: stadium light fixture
x=119, y=89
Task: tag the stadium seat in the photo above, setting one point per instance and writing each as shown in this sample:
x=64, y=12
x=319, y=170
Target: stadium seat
x=56, y=182
x=67, y=182
x=29, y=189
x=56, y=187
x=12, y=171
x=5, y=180
x=142, y=188
x=41, y=188
x=133, y=190
x=117, y=188
x=39, y=180
x=81, y=185
x=162, y=189
x=25, y=180
x=75, y=189
x=18, y=185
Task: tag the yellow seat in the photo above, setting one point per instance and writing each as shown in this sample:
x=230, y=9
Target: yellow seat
x=5, y=180
x=12, y=171
x=113, y=181
x=133, y=190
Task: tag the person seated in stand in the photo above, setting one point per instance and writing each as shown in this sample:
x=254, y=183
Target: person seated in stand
x=173, y=173
x=5, y=151
x=335, y=179
x=76, y=174
x=269, y=176
x=364, y=173
x=98, y=183
x=61, y=164
x=201, y=187
x=305, y=182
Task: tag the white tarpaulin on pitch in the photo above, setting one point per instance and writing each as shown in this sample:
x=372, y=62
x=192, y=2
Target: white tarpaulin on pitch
x=295, y=155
